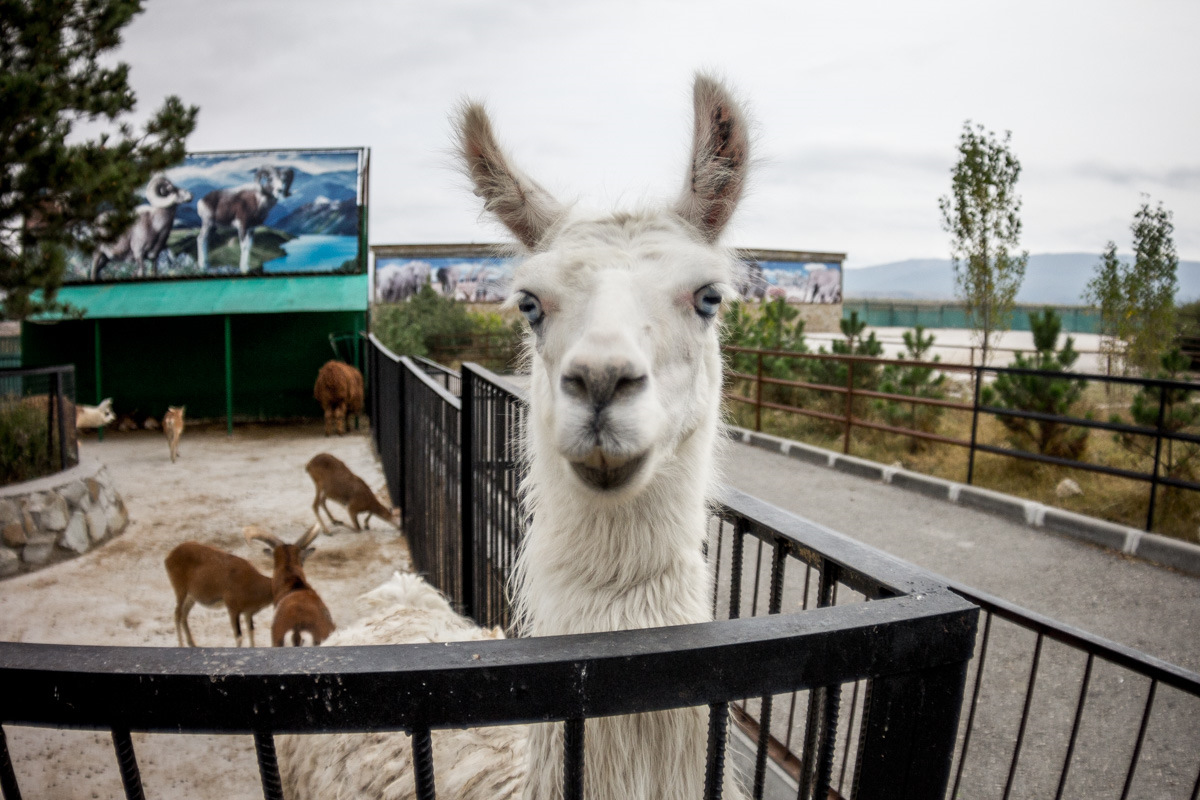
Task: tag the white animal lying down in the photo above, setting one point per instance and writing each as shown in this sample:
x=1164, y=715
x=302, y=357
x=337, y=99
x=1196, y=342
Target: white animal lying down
x=473, y=764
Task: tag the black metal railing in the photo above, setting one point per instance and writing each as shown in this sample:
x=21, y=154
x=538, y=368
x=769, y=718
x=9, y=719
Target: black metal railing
x=1040, y=691
x=911, y=643
x=37, y=422
x=850, y=404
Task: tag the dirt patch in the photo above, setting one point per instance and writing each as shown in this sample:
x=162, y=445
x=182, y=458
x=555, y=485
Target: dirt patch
x=119, y=594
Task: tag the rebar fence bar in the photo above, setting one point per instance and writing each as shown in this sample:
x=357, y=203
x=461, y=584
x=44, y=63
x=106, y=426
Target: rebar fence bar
x=37, y=422
x=1159, y=455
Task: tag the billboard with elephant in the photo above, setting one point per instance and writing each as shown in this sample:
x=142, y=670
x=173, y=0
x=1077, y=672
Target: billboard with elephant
x=480, y=274
x=266, y=212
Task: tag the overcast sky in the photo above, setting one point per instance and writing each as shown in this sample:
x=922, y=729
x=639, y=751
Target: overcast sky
x=858, y=105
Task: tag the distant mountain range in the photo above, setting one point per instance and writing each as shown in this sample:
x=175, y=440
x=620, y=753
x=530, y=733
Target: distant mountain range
x=1052, y=278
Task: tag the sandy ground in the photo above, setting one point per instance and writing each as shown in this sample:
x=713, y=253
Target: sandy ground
x=119, y=594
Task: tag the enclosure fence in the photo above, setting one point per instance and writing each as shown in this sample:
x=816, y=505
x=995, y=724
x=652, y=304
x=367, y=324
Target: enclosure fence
x=1049, y=710
x=846, y=395
x=37, y=422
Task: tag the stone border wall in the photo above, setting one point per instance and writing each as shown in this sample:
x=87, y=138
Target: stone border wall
x=50, y=519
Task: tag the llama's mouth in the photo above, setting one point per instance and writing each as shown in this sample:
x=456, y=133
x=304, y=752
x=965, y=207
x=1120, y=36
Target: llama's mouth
x=603, y=474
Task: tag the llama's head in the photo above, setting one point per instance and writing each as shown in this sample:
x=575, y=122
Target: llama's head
x=622, y=307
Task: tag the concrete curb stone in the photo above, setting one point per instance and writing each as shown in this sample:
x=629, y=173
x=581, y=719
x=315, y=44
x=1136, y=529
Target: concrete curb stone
x=1161, y=550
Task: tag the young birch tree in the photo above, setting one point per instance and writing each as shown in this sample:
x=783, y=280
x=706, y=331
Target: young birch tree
x=1137, y=299
x=981, y=214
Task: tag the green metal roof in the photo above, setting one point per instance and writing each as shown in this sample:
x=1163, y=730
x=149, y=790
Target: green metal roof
x=215, y=296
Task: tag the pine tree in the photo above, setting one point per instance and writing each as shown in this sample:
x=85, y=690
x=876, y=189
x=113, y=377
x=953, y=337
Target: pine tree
x=1047, y=393
x=54, y=186
x=914, y=376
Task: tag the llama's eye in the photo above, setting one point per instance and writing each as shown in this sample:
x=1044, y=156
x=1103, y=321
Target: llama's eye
x=531, y=307
x=707, y=300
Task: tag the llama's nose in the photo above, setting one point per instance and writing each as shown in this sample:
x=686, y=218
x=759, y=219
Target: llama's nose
x=600, y=385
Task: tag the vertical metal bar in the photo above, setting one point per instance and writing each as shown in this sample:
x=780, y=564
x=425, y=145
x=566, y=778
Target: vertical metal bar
x=268, y=765
x=8, y=778
x=99, y=396
x=228, y=376
x=849, y=404
x=1083, y=690
x=849, y=734
x=1141, y=739
x=740, y=527
x=833, y=700
x=714, y=770
x=60, y=413
x=757, y=577
x=573, y=759
x=466, y=490
x=974, y=420
x=403, y=426
x=1016, y=756
x=1158, y=438
x=758, y=395
x=127, y=764
x=717, y=566
x=422, y=746
x=818, y=697
x=983, y=650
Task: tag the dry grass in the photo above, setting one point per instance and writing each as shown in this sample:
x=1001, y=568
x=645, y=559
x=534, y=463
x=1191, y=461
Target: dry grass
x=1113, y=498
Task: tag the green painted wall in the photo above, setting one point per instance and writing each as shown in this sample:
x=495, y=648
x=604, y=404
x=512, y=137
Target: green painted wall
x=898, y=314
x=150, y=363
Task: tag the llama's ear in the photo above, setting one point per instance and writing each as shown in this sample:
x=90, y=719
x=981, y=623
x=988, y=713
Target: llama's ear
x=525, y=208
x=720, y=159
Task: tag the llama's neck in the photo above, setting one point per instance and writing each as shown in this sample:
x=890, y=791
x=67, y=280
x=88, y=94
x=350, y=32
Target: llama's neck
x=593, y=563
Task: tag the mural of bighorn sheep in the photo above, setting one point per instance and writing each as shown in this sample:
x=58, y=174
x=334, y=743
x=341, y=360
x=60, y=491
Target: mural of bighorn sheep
x=146, y=238
x=244, y=207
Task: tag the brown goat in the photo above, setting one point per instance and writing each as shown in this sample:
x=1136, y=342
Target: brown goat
x=212, y=577
x=335, y=481
x=339, y=390
x=298, y=607
x=172, y=423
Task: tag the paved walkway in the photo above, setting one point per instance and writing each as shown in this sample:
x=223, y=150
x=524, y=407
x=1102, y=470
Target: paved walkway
x=1150, y=608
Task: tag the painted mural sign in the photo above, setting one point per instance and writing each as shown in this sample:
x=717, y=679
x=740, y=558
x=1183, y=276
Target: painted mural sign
x=486, y=279
x=277, y=212
x=795, y=281
x=470, y=279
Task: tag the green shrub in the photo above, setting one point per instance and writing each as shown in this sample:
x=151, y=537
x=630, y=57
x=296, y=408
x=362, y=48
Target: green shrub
x=913, y=380
x=24, y=447
x=1048, y=393
x=441, y=328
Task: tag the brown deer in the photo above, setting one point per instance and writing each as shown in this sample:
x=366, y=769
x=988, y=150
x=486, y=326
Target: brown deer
x=212, y=577
x=298, y=607
x=172, y=424
x=335, y=481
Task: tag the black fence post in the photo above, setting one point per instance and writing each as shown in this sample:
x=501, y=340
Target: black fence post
x=1158, y=438
x=974, y=422
x=402, y=430
x=466, y=489
x=909, y=734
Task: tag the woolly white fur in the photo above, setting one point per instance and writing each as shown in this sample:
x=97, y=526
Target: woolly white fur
x=473, y=764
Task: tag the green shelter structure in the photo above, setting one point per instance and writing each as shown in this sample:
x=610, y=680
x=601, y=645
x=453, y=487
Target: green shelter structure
x=246, y=349
x=241, y=274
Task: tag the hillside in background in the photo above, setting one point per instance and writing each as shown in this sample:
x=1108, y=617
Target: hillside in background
x=1053, y=278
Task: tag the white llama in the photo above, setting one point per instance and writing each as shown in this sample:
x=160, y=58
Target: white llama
x=623, y=422
x=624, y=415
